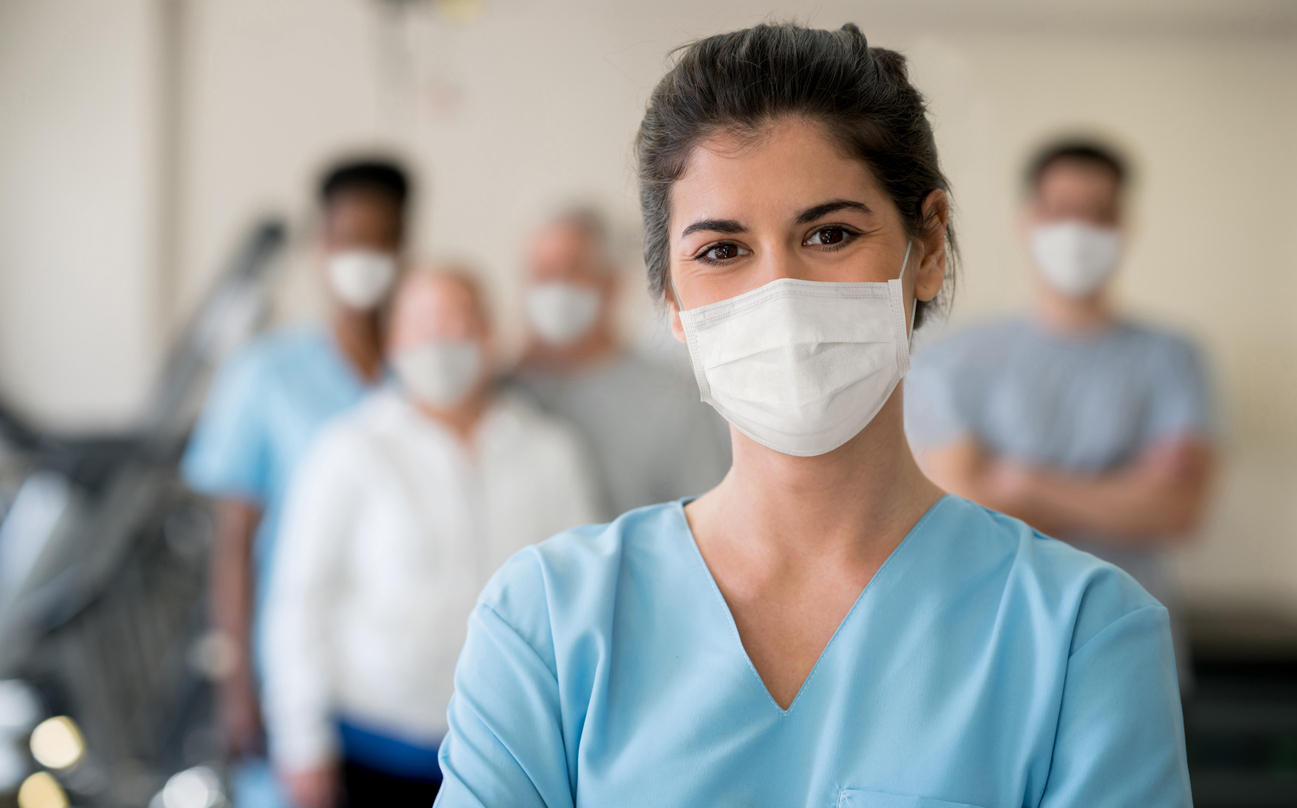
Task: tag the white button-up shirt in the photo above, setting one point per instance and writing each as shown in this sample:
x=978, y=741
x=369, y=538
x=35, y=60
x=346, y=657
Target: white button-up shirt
x=391, y=529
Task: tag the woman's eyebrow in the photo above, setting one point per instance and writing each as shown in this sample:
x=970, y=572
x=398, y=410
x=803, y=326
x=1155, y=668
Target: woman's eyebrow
x=811, y=214
x=728, y=226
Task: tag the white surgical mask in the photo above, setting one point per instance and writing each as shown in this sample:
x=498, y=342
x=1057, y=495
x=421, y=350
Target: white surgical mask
x=361, y=278
x=1076, y=258
x=440, y=373
x=562, y=313
x=801, y=366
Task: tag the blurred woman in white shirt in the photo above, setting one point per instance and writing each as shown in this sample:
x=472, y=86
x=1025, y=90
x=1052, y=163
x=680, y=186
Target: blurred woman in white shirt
x=401, y=511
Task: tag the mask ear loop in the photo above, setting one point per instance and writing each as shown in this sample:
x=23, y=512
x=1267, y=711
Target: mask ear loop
x=671, y=281
x=905, y=262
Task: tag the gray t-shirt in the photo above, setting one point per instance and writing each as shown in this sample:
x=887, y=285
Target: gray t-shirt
x=1081, y=405
x=649, y=435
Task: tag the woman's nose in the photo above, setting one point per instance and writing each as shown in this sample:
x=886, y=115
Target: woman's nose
x=780, y=263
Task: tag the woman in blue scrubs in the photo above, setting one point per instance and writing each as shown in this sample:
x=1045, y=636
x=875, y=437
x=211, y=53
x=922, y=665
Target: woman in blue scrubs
x=825, y=627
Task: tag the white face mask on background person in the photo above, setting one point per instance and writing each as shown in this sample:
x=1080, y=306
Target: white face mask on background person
x=361, y=278
x=441, y=373
x=562, y=313
x=801, y=366
x=1076, y=258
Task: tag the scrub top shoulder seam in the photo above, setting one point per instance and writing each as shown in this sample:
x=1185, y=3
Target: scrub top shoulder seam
x=522, y=638
x=1117, y=621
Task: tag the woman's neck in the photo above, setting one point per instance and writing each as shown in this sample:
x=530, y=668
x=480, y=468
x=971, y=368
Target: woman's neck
x=855, y=503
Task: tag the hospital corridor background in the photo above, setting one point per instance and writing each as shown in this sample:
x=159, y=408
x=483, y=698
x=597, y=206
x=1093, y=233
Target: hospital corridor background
x=314, y=312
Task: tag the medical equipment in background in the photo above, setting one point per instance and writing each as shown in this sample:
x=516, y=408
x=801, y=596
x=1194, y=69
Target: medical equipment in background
x=104, y=659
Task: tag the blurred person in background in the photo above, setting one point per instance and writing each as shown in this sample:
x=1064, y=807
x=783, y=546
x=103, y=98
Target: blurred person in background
x=401, y=511
x=266, y=404
x=649, y=436
x=1084, y=423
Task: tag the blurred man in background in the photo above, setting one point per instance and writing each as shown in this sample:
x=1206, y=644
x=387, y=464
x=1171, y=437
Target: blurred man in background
x=1090, y=427
x=402, y=510
x=651, y=437
x=266, y=404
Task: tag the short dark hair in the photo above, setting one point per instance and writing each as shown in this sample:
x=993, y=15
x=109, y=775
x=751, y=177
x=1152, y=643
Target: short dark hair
x=1075, y=150
x=373, y=175
x=747, y=79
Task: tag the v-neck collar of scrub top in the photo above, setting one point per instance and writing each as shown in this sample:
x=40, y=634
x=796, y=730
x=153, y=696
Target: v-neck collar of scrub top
x=892, y=567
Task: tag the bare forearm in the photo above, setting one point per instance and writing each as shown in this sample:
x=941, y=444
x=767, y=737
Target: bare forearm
x=971, y=483
x=1154, y=500
x=1033, y=512
x=231, y=591
x=231, y=604
x=966, y=469
x=1122, y=507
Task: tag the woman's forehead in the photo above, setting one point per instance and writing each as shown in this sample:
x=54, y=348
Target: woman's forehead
x=790, y=166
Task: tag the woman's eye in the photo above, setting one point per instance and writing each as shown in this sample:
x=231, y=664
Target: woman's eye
x=721, y=252
x=828, y=236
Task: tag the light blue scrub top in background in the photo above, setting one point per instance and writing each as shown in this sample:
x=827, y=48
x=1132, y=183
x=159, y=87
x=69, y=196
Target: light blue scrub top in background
x=265, y=404
x=983, y=665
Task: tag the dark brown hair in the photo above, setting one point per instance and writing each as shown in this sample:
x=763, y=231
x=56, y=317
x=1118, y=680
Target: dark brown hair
x=745, y=80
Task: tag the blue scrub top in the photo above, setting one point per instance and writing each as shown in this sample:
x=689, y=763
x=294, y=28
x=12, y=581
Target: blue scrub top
x=265, y=404
x=984, y=665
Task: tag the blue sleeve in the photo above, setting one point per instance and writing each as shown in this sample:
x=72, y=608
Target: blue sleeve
x=1120, y=738
x=934, y=416
x=228, y=453
x=1182, y=400
x=505, y=742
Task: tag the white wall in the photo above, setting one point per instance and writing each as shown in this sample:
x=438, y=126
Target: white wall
x=78, y=266
x=536, y=104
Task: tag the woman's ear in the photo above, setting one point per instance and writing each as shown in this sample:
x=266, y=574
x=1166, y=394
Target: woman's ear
x=932, y=271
